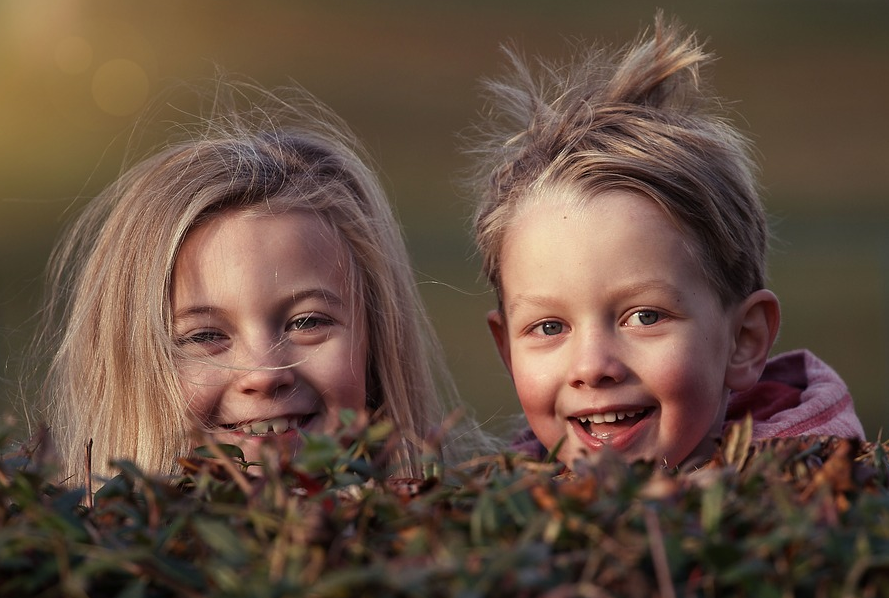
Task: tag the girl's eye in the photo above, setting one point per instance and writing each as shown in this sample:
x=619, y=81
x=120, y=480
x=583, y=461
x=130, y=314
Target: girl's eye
x=310, y=322
x=644, y=317
x=201, y=337
x=550, y=328
x=202, y=342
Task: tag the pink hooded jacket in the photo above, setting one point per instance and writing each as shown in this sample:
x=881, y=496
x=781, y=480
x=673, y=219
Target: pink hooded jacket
x=797, y=395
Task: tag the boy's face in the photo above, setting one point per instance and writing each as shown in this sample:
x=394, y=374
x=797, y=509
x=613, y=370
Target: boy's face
x=610, y=330
x=273, y=340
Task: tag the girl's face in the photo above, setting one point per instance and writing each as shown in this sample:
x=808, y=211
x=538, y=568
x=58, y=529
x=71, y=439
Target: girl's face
x=273, y=338
x=612, y=333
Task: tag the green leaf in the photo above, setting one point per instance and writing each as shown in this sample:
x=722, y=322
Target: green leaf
x=220, y=538
x=229, y=450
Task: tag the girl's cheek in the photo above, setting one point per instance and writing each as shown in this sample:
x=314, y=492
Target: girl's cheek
x=200, y=385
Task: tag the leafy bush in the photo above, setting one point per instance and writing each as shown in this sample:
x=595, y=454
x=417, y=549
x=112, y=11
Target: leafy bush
x=793, y=517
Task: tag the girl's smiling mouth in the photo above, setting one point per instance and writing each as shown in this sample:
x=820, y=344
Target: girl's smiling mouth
x=271, y=427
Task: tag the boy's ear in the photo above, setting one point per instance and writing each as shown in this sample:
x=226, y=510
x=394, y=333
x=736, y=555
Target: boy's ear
x=756, y=327
x=497, y=326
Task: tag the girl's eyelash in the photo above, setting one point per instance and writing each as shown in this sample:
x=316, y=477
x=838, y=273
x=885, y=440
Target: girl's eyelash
x=310, y=321
x=306, y=323
x=196, y=337
x=199, y=337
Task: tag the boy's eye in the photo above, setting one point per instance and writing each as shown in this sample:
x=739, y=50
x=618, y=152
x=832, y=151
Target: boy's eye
x=644, y=317
x=550, y=328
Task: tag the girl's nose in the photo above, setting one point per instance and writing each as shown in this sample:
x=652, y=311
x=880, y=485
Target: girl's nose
x=595, y=361
x=267, y=372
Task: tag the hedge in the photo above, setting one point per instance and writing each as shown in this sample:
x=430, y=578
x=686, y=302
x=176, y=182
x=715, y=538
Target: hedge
x=804, y=516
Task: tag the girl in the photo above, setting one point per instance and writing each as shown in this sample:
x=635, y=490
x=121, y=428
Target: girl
x=250, y=282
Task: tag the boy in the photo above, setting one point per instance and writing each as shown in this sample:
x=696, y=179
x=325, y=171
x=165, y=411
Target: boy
x=621, y=227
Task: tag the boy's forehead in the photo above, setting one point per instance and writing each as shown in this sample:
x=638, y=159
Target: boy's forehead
x=625, y=238
x=577, y=203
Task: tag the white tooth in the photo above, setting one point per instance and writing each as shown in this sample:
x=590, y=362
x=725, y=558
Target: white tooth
x=261, y=428
x=280, y=425
x=598, y=418
x=611, y=417
x=621, y=416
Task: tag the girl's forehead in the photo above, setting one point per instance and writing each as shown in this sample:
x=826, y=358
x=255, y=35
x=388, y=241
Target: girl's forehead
x=257, y=220
x=298, y=243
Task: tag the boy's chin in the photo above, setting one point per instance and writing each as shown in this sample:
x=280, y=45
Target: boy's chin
x=701, y=454
x=579, y=458
x=583, y=458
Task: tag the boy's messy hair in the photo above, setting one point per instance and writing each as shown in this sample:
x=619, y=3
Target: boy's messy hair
x=640, y=120
x=108, y=324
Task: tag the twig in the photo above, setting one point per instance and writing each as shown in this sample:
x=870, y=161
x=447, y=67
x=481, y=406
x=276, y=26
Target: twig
x=88, y=467
x=659, y=554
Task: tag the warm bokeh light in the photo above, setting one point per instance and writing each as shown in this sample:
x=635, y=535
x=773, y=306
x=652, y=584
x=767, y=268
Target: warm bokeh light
x=120, y=87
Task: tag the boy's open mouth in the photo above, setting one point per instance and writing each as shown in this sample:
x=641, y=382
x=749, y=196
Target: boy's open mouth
x=271, y=427
x=608, y=424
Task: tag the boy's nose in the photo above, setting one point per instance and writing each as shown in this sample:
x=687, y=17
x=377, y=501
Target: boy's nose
x=266, y=372
x=595, y=361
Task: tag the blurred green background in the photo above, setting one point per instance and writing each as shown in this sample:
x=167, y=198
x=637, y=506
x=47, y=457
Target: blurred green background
x=810, y=80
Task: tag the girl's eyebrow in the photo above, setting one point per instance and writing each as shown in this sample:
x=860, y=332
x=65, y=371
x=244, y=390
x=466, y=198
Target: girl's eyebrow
x=194, y=310
x=323, y=294
x=326, y=295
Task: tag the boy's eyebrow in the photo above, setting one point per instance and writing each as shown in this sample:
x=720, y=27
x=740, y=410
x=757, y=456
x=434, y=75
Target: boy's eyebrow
x=660, y=286
x=325, y=295
x=529, y=299
x=629, y=290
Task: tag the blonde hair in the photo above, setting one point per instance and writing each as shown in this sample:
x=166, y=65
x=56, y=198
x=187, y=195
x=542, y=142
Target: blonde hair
x=639, y=119
x=113, y=378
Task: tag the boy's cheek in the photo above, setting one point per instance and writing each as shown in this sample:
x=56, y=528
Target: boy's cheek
x=535, y=391
x=537, y=388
